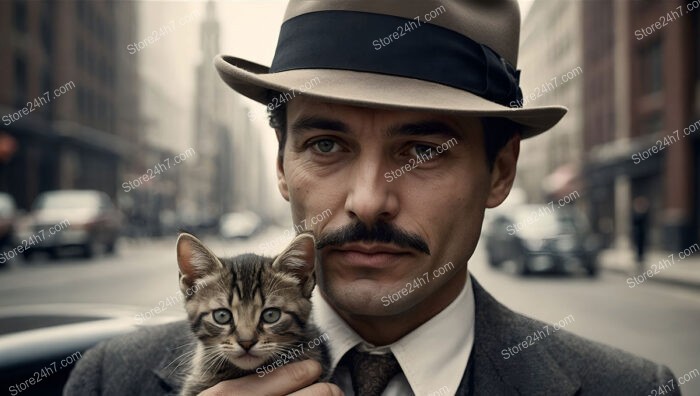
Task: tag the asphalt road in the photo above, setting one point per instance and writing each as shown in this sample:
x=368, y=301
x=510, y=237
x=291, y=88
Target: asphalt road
x=656, y=321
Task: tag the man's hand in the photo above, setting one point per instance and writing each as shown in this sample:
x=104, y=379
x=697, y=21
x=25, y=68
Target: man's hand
x=291, y=379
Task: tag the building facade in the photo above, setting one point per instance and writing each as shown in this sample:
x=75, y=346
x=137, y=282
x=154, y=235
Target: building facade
x=228, y=173
x=552, y=74
x=641, y=102
x=68, y=97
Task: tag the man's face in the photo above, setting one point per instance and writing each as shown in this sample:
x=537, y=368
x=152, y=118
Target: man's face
x=387, y=220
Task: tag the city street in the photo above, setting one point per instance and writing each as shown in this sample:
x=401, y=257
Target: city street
x=654, y=320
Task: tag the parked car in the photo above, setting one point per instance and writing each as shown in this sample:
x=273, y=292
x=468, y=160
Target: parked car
x=8, y=216
x=41, y=344
x=86, y=219
x=239, y=225
x=532, y=238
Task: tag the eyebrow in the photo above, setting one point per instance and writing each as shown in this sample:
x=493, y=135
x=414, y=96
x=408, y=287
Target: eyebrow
x=422, y=128
x=317, y=122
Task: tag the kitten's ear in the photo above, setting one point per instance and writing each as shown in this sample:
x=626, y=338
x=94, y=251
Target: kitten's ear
x=194, y=259
x=298, y=260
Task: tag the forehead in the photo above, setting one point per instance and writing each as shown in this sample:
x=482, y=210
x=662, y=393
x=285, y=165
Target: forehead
x=354, y=118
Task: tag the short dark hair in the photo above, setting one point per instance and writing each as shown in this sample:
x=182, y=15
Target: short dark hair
x=497, y=132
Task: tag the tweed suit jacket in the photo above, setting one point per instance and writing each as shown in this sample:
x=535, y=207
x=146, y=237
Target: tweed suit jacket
x=146, y=361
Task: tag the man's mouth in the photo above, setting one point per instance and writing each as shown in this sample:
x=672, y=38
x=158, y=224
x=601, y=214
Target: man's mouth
x=369, y=254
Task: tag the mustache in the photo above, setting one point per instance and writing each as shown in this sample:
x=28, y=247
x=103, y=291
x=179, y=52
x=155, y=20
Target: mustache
x=379, y=232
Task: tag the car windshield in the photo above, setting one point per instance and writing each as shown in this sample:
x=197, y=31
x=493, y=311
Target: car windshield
x=545, y=222
x=7, y=206
x=68, y=200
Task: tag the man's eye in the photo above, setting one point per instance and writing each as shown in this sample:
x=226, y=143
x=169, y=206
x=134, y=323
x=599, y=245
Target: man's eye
x=422, y=150
x=325, y=145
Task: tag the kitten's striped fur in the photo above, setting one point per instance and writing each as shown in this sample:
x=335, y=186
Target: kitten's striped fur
x=247, y=286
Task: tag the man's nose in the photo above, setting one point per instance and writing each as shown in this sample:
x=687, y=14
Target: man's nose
x=370, y=196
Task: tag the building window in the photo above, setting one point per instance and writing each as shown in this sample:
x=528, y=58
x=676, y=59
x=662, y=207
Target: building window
x=654, y=124
x=20, y=17
x=20, y=81
x=697, y=46
x=651, y=59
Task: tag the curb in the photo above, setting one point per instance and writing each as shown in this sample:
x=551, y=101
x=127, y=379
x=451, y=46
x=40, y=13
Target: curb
x=690, y=284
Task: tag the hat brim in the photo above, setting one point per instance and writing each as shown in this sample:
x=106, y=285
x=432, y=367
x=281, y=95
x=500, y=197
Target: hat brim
x=376, y=91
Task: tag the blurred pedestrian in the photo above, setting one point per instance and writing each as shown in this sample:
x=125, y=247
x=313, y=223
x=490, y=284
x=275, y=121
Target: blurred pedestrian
x=640, y=220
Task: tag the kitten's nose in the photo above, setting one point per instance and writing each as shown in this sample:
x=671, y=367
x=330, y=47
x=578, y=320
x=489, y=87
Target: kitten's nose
x=247, y=344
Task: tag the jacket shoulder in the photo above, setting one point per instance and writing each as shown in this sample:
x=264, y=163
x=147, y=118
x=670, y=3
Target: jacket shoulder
x=127, y=364
x=529, y=356
x=598, y=364
x=599, y=367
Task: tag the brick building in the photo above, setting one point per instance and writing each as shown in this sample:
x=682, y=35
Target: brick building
x=69, y=92
x=642, y=83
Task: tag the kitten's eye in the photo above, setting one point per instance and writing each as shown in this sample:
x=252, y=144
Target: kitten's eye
x=222, y=316
x=271, y=315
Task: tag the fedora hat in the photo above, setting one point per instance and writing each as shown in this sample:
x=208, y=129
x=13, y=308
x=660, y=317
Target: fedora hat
x=451, y=56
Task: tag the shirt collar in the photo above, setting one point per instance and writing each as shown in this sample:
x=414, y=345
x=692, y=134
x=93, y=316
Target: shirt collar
x=445, y=341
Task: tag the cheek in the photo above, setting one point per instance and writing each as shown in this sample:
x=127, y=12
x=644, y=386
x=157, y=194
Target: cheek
x=450, y=221
x=311, y=196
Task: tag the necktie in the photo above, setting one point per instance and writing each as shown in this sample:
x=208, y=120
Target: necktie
x=370, y=372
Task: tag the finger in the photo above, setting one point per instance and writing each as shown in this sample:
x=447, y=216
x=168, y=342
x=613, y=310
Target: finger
x=320, y=389
x=282, y=381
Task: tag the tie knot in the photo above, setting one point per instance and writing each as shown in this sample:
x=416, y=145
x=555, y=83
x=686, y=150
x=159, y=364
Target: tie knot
x=371, y=372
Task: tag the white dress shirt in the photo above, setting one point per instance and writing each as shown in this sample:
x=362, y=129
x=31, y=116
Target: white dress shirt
x=433, y=357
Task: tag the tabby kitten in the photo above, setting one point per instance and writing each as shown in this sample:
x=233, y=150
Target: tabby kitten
x=248, y=311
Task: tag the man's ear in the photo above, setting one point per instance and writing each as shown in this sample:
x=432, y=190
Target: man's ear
x=194, y=260
x=503, y=173
x=281, y=178
x=298, y=260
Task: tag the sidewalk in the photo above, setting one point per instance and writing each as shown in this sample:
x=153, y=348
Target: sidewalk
x=660, y=267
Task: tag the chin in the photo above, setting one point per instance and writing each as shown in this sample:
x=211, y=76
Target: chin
x=359, y=297
x=247, y=362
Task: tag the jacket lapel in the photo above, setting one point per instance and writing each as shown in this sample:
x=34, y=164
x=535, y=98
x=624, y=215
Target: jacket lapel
x=534, y=371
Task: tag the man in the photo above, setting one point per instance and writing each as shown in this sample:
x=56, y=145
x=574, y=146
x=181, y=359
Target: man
x=406, y=136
